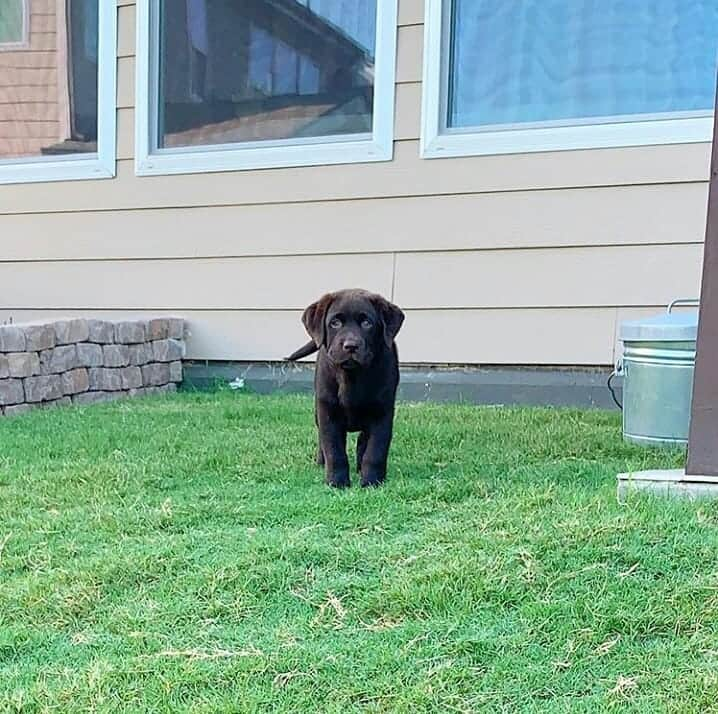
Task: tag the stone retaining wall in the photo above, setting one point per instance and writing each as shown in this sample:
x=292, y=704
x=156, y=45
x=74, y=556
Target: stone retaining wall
x=80, y=361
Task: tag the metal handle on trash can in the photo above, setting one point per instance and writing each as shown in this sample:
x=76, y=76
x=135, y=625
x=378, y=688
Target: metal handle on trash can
x=685, y=302
x=617, y=372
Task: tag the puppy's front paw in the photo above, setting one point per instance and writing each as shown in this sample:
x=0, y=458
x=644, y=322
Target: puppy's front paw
x=373, y=481
x=338, y=480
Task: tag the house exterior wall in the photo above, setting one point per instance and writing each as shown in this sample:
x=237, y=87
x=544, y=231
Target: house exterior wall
x=528, y=259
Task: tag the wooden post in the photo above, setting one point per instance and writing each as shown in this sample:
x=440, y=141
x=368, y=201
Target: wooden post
x=703, y=438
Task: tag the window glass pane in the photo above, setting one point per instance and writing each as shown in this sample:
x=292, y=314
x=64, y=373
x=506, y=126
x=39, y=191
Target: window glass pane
x=578, y=61
x=233, y=72
x=11, y=21
x=48, y=90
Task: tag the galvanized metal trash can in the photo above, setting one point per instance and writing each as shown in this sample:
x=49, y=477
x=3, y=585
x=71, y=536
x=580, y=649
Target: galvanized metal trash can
x=657, y=366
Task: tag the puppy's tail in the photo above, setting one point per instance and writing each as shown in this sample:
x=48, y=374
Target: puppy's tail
x=309, y=349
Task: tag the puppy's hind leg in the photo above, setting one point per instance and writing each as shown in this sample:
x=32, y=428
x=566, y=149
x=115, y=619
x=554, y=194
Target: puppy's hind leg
x=362, y=441
x=320, y=452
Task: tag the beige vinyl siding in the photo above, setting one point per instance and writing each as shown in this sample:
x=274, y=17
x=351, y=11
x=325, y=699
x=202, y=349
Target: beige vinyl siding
x=407, y=175
x=207, y=284
x=636, y=215
x=526, y=259
x=567, y=278
x=269, y=335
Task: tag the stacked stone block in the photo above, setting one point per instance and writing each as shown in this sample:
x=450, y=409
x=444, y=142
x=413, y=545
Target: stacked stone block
x=80, y=361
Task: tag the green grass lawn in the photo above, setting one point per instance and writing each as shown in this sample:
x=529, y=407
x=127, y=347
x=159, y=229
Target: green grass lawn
x=183, y=554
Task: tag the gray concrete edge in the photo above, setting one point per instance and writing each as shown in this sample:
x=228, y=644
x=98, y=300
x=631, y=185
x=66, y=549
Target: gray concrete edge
x=671, y=483
x=527, y=386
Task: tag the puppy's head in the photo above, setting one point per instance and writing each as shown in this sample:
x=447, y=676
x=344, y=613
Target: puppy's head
x=353, y=326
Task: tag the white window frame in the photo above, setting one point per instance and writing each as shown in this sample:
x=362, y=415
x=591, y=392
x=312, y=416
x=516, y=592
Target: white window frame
x=153, y=161
x=100, y=164
x=24, y=41
x=439, y=141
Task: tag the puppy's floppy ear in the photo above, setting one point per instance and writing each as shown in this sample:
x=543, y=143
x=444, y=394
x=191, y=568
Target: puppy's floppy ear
x=313, y=319
x=391, y=316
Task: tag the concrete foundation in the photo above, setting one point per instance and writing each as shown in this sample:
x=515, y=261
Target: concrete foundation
x=526, y=386
x=675, y=484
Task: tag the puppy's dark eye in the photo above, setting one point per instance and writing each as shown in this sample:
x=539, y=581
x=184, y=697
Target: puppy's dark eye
x=335, y=323
x=367, y=324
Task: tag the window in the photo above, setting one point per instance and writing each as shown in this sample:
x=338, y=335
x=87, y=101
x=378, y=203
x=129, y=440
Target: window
x=57, y=90
x=263, y=83
x=512, y=76
x=13, y=24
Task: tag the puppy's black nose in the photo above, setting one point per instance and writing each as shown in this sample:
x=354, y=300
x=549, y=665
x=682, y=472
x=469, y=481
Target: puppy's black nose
x=351, y=345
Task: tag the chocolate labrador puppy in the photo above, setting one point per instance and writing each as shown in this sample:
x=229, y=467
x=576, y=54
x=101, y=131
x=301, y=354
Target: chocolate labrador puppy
x=355, y=380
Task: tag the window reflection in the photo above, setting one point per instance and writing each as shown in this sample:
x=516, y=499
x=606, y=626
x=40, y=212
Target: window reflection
x=48, y=79
x=256, y=70
x=579, y=61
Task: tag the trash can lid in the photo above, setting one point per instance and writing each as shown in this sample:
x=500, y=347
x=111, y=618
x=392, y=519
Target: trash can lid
x=667, y=327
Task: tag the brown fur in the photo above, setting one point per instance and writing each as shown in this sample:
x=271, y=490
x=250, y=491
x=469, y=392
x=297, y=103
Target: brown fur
x=356, y=378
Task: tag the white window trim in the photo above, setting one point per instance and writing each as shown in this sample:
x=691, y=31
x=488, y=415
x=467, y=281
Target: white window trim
x=379, y=146
x=439, y=142
x=24, y=43
x=95, y=165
